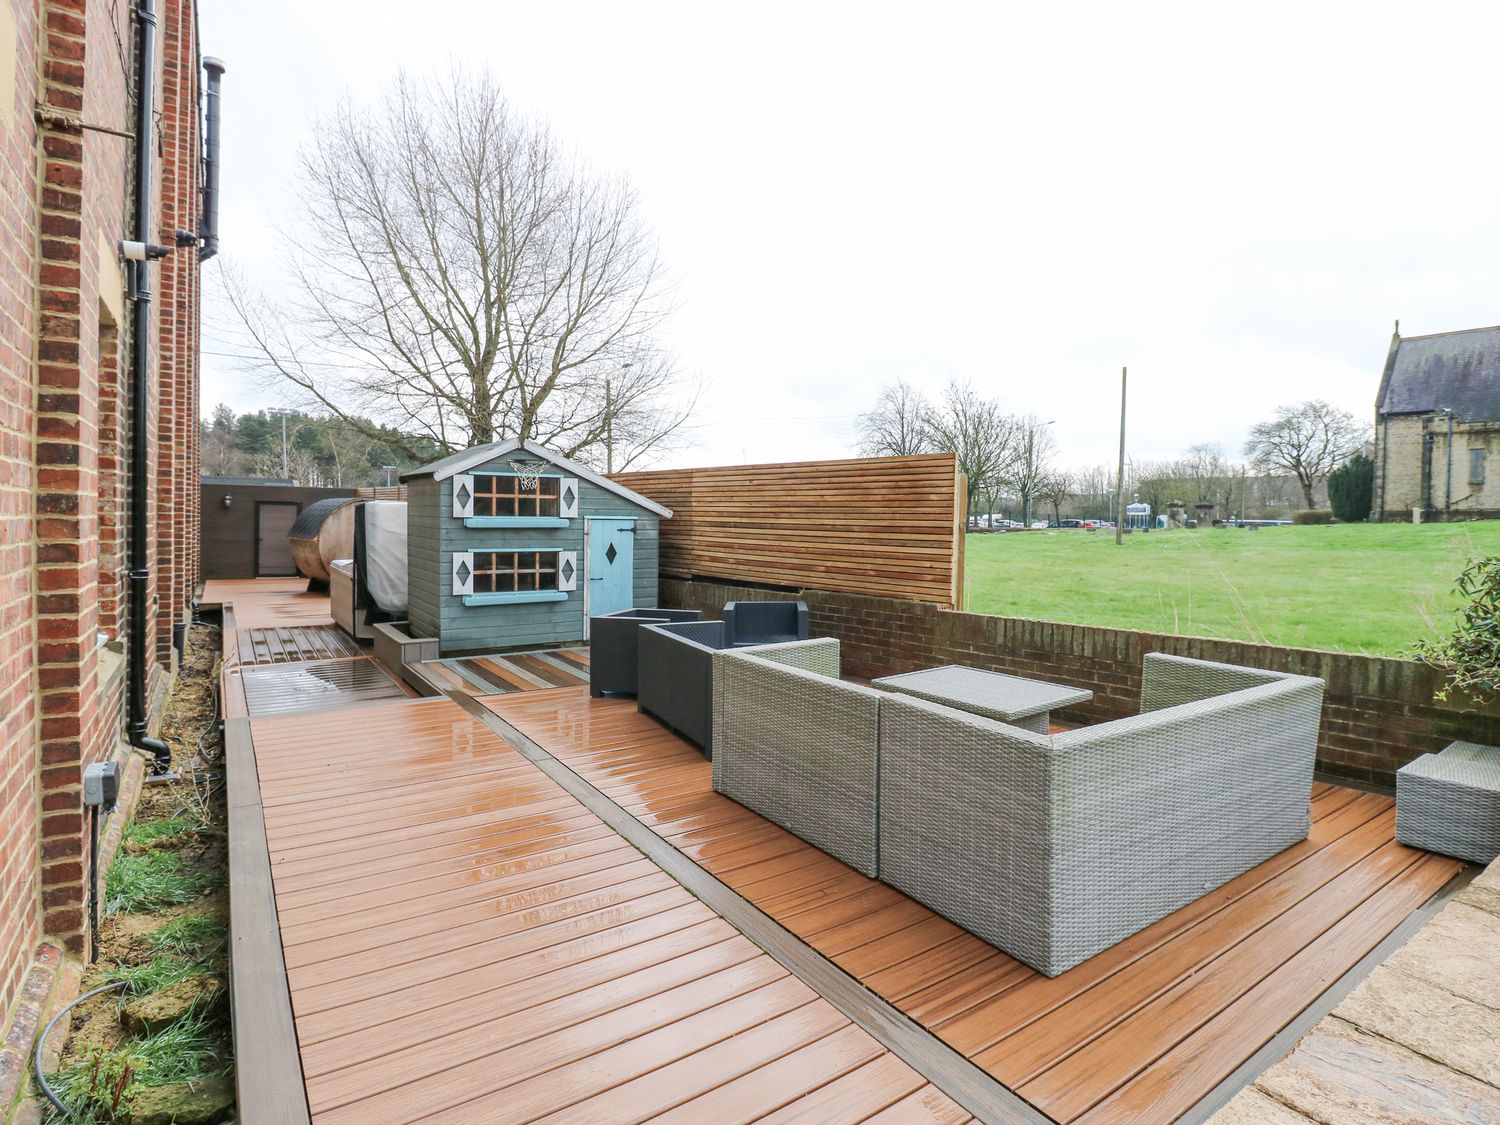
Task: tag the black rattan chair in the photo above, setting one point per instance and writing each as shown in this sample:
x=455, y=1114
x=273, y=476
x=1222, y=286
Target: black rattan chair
x=676, y=676
x=765, y=623
x=613, y=647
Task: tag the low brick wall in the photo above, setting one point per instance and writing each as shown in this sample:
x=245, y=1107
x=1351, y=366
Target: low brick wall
x=1378, y=713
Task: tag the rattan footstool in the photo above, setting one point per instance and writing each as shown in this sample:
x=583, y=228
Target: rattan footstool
x=1450, y=802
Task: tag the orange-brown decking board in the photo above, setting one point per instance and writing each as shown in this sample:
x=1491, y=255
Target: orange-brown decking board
x=267, y=602
x=464, y=941
x=1142, y=1032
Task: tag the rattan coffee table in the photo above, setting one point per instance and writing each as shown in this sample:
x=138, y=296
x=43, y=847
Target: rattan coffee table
x=1010, y=699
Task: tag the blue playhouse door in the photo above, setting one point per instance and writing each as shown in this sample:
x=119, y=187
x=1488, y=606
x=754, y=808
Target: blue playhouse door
x=611, y=565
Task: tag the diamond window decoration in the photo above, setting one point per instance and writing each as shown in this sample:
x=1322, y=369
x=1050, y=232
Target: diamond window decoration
x=568, y=496
x=463, y=572
x=611, y=554
x=463, y=495
x=567, y=570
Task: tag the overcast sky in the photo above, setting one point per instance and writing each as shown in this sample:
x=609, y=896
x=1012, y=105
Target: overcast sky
x=1234, y=200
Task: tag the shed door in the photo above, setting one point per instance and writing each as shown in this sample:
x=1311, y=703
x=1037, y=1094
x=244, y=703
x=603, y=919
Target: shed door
x=273, y=554
x=611, y=571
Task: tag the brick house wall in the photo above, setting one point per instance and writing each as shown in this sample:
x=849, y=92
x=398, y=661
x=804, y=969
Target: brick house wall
x=66, y=91
x=1378, y=713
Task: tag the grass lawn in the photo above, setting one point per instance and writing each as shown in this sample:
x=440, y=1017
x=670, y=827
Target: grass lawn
x=1372, y=588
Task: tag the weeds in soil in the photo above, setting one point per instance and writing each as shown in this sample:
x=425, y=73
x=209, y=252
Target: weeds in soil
x=162, y=971
x=98, y=1086
x=200, y=936
x=163, y=828
x=154, y=879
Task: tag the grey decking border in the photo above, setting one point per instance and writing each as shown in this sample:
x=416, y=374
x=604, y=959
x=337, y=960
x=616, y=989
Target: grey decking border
x=967, y=1084
x=269, y=1082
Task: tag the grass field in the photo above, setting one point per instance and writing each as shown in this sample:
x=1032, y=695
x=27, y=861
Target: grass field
x=1372, y=588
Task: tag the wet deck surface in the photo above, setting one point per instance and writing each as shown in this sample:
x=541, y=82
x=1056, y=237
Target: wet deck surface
x=464, y=939
x=1140, y=1033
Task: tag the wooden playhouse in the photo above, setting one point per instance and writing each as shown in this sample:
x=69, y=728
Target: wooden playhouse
x=511, y=545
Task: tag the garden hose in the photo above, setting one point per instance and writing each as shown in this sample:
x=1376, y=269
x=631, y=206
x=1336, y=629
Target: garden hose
x=41, y=1041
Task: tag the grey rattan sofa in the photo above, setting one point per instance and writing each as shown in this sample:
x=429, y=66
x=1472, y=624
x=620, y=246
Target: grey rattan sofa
x=765, y=623
x=614, y=648
x=1055, y=847
x=1450, y=802
x=798, y=745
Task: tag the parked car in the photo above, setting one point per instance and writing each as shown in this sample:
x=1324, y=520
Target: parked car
x=1069, y=523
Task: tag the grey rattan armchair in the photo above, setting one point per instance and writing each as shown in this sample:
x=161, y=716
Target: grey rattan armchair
x=614, y=649
x=1055, y=847
x=765, y=623
x=798, y=745
x=674, y=678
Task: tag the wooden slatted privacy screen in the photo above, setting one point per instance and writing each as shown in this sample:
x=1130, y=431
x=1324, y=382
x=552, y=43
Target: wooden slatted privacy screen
x=888, y=526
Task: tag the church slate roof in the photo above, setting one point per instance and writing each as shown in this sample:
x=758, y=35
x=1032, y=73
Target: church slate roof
x=1456, y=370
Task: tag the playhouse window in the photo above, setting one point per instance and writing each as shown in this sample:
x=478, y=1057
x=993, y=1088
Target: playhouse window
x=502, y=496
x=507, y=572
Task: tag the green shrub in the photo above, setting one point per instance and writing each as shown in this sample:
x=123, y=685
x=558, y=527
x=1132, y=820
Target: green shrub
x=1470, y=655
x=1351, y=489
x=1314, y=515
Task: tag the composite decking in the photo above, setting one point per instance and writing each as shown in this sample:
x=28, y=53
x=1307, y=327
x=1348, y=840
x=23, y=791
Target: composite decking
x=1140, y=1033
x=465, y=941
x=452, y=929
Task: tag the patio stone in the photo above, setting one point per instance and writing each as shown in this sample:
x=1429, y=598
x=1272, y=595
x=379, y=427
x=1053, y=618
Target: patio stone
x=1455, y=951
x=1251, y=1107
x=1338, y=1075
x=1430, y=1020
x=1486, y=898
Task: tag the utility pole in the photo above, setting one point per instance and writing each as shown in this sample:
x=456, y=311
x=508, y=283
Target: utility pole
x=286, y=459
x=609, y=428
x=1120, y=471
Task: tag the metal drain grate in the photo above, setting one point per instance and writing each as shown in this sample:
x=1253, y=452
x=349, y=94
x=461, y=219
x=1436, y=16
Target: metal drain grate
x=296, y=642
x=278, y=689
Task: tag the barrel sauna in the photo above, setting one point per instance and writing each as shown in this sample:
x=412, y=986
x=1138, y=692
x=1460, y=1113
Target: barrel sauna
x=323, y=532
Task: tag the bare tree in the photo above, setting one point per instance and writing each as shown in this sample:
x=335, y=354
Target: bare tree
x=980, y=433
x=1308, y=440
x=1033, y=449
x=1056, y=489
x=897, y=425
x=457, y=276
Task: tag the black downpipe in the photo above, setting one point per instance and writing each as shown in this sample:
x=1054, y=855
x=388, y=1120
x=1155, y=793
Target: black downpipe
x=208, y=228
x=138, y=710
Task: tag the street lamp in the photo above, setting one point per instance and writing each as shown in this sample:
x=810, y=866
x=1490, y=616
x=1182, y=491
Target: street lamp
x=390, y=474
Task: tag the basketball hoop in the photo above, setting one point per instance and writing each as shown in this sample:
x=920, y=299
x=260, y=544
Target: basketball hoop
x=528, y=473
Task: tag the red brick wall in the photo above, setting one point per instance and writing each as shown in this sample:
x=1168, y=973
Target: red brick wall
x=19, y=873
x=65, y=203
x=1378, y=713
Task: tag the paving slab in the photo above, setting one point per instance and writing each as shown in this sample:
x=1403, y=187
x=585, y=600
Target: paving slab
x=1430, y=1020
x=1459, y=950
x=1338, y=1075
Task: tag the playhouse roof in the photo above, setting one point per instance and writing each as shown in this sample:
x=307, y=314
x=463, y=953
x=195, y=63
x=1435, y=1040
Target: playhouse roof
x=466, y=459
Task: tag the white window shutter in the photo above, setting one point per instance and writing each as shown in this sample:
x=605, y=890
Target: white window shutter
x=463, y=496
x=568, y=498
x=567, y=570
x=463, y=572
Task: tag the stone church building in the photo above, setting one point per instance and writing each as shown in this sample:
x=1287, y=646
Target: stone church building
x=1437, y=427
